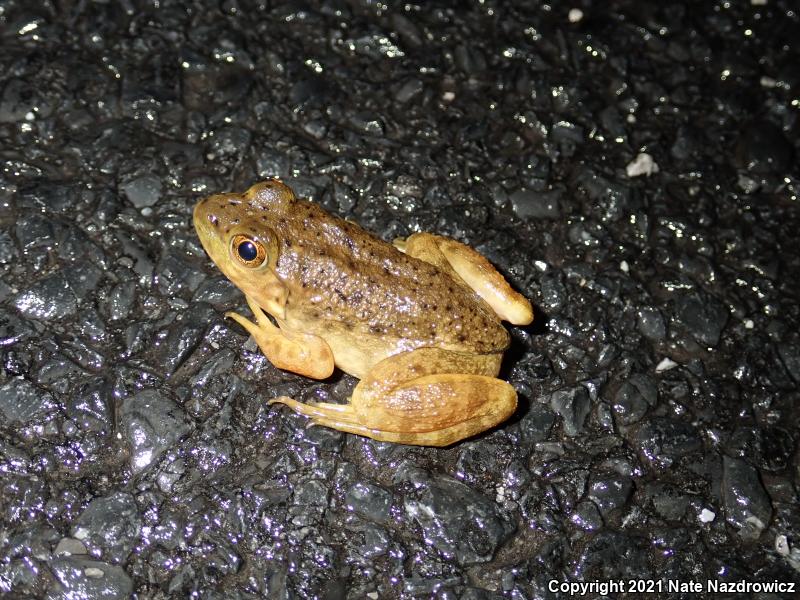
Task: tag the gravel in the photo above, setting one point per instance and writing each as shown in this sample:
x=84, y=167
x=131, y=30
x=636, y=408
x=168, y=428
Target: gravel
x=631, y=167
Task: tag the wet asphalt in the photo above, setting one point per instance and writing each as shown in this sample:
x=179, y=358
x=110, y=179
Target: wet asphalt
x=631, y=167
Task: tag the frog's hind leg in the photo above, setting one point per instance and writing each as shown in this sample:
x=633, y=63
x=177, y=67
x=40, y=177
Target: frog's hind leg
x=335, y=416
x=330, y=415
x=436, y=410
x=305, y=353
x=318, y=409
x=425, y=247
x=474, y=270
x=426, y=397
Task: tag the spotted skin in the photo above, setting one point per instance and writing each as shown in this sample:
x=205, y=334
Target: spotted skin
x=342, y=297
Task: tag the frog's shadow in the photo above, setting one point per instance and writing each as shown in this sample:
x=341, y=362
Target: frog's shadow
x=512, y=356
x=517, y=349
x=515, y=353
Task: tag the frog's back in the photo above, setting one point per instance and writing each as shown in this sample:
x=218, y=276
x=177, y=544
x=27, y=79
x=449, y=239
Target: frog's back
x=347, y=282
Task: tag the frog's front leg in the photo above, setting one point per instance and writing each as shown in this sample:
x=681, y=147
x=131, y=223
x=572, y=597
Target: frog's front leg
x=425, y=397
x=306, y=354
x=474, y=270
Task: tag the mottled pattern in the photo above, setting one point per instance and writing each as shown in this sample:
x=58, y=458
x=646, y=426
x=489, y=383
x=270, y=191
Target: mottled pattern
x=339, y=277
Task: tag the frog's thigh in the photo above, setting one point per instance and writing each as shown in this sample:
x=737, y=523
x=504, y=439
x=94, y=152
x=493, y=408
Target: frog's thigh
x=436, y=410
x=409, y=398
x=477, y=272
x=302, y=353
x=424, y=247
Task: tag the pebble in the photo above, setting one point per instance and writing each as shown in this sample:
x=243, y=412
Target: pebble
x=151, y=423
x=109, y=526
x=643, y=164
x=664, y=440
x=143, y=191
x=747, y=504
x=703, y=316
x=633, y=398
x=21, y=402
x=369, y=501
x=79, y=577
x=573, y=406
x=530, y=204
x=459, y=522
x=48, y=299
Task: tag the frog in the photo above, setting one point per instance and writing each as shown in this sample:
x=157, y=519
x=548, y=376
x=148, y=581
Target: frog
x=418, y=321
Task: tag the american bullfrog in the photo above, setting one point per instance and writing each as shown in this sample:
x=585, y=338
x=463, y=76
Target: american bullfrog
x=417, y=321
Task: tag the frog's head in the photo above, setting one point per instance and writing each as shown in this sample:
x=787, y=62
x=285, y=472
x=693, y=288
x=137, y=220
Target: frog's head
x=236, y=231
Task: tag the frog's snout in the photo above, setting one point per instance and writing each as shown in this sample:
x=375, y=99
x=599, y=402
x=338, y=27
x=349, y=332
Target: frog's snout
x=205, y=216
x=201, y=214
x=197, y=213
x=208, y=226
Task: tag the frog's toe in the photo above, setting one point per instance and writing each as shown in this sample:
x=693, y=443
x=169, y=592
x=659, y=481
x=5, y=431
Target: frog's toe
x=251, y=328
x=330, y=407
x=318, y=409
x=349, y=427
x=296, y=406
x=281, y=400
x=341, y=417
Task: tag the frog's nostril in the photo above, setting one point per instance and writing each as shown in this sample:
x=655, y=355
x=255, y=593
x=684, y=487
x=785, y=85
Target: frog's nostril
x=213, y=220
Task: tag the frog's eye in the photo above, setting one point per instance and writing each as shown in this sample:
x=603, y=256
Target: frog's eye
x=251, y=253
